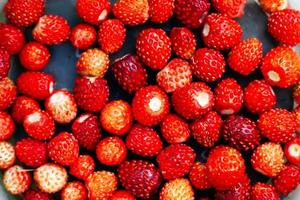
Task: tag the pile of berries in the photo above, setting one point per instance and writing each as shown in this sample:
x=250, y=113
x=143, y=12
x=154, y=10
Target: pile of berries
x=119, y=150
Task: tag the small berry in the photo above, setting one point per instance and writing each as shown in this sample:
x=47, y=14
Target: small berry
x=83, y=36
x=292, y=151
x=287, y=180
x=82, y=167
x=4, y=63
x=22, y=107
x=270, y=6
x=8, y=93
x=122, y=195
x=176, y=189
x=231, y=8
x=262, y=191
x=161, y=11
x=7, y=126
x=11, y=38
x=7, y=155
x=199, y=176
x=74, y=191
x=33, y=194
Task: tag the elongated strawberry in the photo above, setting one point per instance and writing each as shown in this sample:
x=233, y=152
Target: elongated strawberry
x=161, y=10
x=199, y=176
x=7, y=155
x=22, y=107
x=82, y=167
x=83, y=36
x=287, y=180
x=122, y=195
x=34, y=194
x=179, y=188
x=292, y=151
x=262, y=191
x=4, y=63
x=233, y=8
x=74, y=190
x=270, y=6
x=7, y=126
x=8, y=93
x=11, y=38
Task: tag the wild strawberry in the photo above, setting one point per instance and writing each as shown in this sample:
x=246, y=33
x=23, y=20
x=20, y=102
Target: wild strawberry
x=280, y=67
x=122, y=195
x=287, y=180
x=207, y=130
x=153, y=46
x=278, y=125
x=38, y=85
x=83, y=36
x=93, y=11
x=175, y=161
x=268, y=159
x=245, y=57
x=39, y=125
x=7, y=126
x=150, y=105
x=74, y=191
x=50, y=177
x=192, y=12
x=262, y=191
x=229, y=97
x=270, y=6
x=174, y=129
x=226, y=167
x=161, y=11
x=208, y=64
x=221, y=32
x=259, y=96
x=7, y=155
x=63, y=148
x=230, y=8
x=24, y=13
x=8, y=93
x=131, y=12
x=22, y=107
x=130, y=73
x=143, y=141
x=16, y=180
x=33, y=194
x=193, y=101
x=11, y=38
x=283, y=26
x=139, y=177
x=116, y=117
x=176, y=74
x=61, y=105
x=4, y=63
x=179, y=188
x=82, y=167
x=111, y=151
x=32, y=153
x=90, y=93
x=111, y=35
x=241, y=133
x=292, y=151
x=86, y=130
x=198, y=176
x=183, y=42
x=51, y=30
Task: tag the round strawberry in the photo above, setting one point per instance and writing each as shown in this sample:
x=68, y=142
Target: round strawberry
x=82, y=167
x=230, y=8
x=268, y=159
x=208, y=64
x=33, y=194
x=270, y=6
x=22, y=107
x=207, y=130
x=8, y=93
x=11, y=38
x=160, y=11
x=262, y=191
x=74, y=191
x=122, y=195
x=179, y=188
x=153, y=46
x=287, y=180
x=111, y=151
x=221, y=32
x=292, y=151
x=139, y=177
x=198, y=176
x=7, y=126
x=4, y=63
x=83, y=36
x=7, y=155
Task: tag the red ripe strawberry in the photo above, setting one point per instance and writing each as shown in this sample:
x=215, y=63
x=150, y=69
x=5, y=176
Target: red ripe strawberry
x=130, y=73
x=7, y=155
x=143, y=141
x=193, y=101
x=226, y=167
x=131, y=12
x=39, y=125
x=122, y=195
x=273, y=5
x=8, y=93
x=278, y=125
x=229, y=97
x=74, y=191
x=287, y=180
x=153, y=46
x=24, y=13
x=34, y=56
x=11, y=38
x=50, y=177
x=86, y=130
x=22, y=107
x=183, y=42
x=176, y=74
x=111, y=35
x=230, y=8
x=207, y=130
x=179, y=188
x=245, y=57
x=198, y=176
x=259, y=96
x=208, y=64
x=83, y=36
x=161, y=11
x=4, y=63
x=61, y=106
x=268, y=159
x=16, y=180
x=280, y=67
x=82, y=167
x=150, y=105
x=111, y=151
x=192, y=12
x=175, y=129
x=33, y=194
x=175, y=161
x=241, y=133
x=221, y=32
x=63, y=148
x=116, y=117
x=91, y=94
x=93, y=11
x=7, y=126
x=283, y=26
x=31, y=152
x=292, y=151
x=51, y=30
x=262, y=191
x=139, y=177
